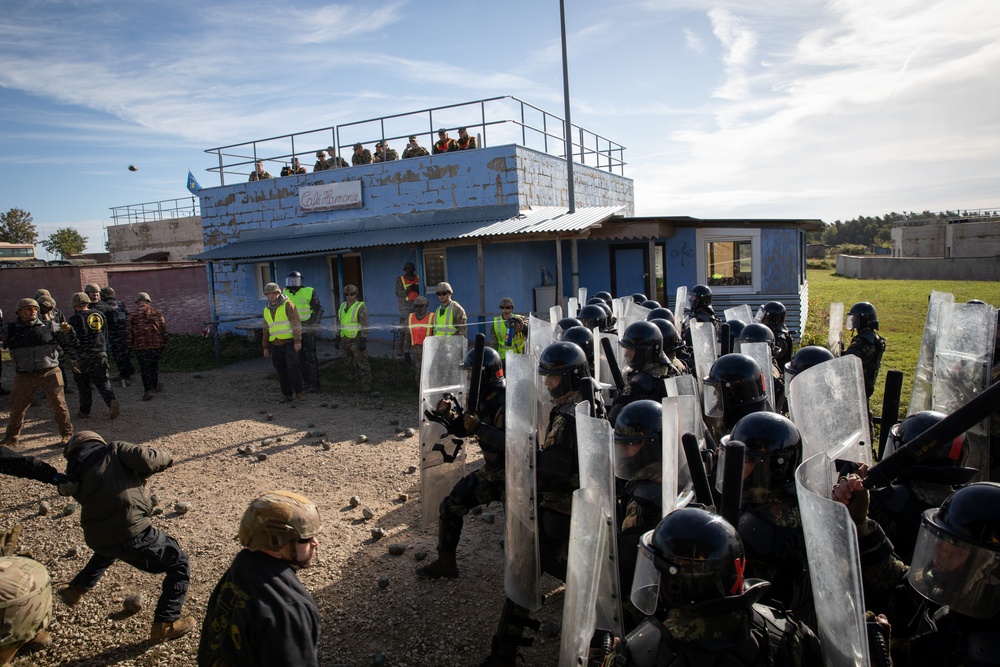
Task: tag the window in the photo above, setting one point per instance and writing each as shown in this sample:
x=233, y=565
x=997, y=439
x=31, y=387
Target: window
x=435, y=267
x=729, y=263
x=263, y=276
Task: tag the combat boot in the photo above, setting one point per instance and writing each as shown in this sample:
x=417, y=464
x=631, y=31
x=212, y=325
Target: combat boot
x=71, y=594
x=514, y=619
x=41, y=641
x=166, y=630
x=444, y=566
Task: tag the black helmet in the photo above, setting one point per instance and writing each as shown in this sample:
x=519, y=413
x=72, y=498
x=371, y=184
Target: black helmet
x=699, y=558
x=735, y=328
x=734, y=388
x=639, y=298
x=647, y=341
x=806, y=357
x=662, y=313
x=593, y=316
x=294, y=279
x=605, y=297
x=639, y=440
x=650, y=303
x=755, y=333
x=773, y=314
x=597, y=300
x=862, y=315
x=956, y=561
x=945, y=465
x=492, y=366
x=567, y=360
x=774, y=445
x=563, y=325
x=583, y=337
x=699, y=295
x=671, y=341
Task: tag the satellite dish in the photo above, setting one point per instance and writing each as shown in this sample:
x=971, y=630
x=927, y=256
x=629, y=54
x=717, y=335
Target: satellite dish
x=132, y=167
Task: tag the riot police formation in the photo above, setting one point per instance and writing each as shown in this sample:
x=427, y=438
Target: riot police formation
x=734, y=388
x=866, y=343
x=485, y=484
x=700, y=305
x=805, y=358
x=773, y=317
x=672, y=346
x=758, y=333
x=647, y=366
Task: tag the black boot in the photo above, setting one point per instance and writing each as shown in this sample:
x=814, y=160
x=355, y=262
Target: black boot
x=503, y=648
x=449, y=533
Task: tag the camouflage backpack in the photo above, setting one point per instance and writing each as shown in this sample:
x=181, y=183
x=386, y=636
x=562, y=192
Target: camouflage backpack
x=25, y=600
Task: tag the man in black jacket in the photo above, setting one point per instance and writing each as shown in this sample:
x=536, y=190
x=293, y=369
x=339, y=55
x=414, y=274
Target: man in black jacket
x=90, y=356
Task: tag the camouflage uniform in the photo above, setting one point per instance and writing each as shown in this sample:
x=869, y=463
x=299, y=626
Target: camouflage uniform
x=645, y=383
x=869, y=347
x=411, y=151
x=25, y=602
x=388, y=155
x=358, y=369
x=558, y=471
x=365, y=157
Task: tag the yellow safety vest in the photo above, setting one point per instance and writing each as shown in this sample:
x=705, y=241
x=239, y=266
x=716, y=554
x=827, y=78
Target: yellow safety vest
x=420, y=328
x=301, y=299
x=349, y=326
x=278, y=326
x=516, y=341
x=444, y=325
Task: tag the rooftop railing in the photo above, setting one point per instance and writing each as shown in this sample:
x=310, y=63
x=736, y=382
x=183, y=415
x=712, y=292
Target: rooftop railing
x=494, y=121
x=953, y=217
x=185, y=207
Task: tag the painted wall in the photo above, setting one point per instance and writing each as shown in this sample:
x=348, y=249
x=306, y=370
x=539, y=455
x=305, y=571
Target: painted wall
x=180, y=237
x=780, y=254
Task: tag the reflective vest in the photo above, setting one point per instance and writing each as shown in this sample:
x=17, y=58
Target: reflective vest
x=348, y=317
x=410, y=296
x=301, y=299
x=278, y=326
x=516, y=344
x=420, y=328
x=444, y=323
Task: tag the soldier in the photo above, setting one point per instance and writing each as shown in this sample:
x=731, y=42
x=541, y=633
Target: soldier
x=90, y=357
x=450, y=317
x=33, y=345
x=407, y=291
x=352, y=338
x=662, y=313
x=282, y=341
x=773, y=315
x=413, y=149
x=109, y=482
x=699, y=310
x=259, y=174
x=335, y=161
x=465, y=142
x=758, y=333
x=805, y=358
x=385, y=154
x=117, y=317
x=484, y=485
x=593, y=317
x=320, y=161
x=444, y=144
x=361, y=155
x=564, y=325
x=672, y=344
x=25, y=605
x=733, y=389
x=296, y=168
x=643, y=345
x=47, y=311
x=310, y=310
x=503, y=337
x=260, y=613
x=866, y=344
x=701, y=608
x=563, y=367
x=419, y=325
x=146, y=333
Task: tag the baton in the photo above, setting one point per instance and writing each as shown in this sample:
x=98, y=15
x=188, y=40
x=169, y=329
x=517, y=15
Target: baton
x=477, y=373
x=702, y=491
x=616, y=373
x=725, y=342
x=890, y=408
x=732, y=482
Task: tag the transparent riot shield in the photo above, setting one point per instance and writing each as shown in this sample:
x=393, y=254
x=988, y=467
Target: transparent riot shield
x=589, y=526
x=834, y=566
x=829, y=406
x=681, y=414
x=442, y=455
x=742, y=313
x=682, y=385
x=601, y=365
x=581, y=296
x=555, y=314
x=761, y=353
x=681, y=303
x=522, y=567
x=540, y=335
x=833, y=335
x=572, y=307
x=963, y=358
x=703, y=344
x=923, y=378
x=632, y=312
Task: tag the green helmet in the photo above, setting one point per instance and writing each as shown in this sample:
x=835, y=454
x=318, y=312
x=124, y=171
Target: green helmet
x=25, y=600
x=276, y=518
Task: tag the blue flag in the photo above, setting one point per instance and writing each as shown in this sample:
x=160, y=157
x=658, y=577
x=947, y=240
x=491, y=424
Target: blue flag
x=192, y=185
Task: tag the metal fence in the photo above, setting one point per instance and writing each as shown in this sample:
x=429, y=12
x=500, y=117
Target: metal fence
x=493, y=121
x=185, y=207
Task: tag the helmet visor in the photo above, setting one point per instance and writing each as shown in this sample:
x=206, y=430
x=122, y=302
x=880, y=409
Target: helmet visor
x=952, y=572
x=293, y=281
x=636, y=458
x=851, y=321
x=646, y=580
x=712, y=394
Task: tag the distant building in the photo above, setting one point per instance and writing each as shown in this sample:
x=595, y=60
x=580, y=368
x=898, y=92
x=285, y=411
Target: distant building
x=155, y=231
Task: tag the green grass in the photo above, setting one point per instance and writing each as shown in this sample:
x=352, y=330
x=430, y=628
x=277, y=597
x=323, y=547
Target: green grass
x=902, y=310
x=394, y=378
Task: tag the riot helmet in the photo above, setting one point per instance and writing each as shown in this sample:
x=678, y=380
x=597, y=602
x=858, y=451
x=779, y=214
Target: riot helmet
x=492, y=366
x=639, y=298
x=567, y=361
x=294, y=279
x=662, y=313
x=605, y=297
x=956, y=561
x=755, y=333
x=583, y=337
x=671, y=339
x=650, y=303
x=944, y=465
x=773, y=315
x=25, y=600
x=806, y=357
x=699, y=296
x=563, y=325
x=734, y=388
x=592, y=316
x=277, y=518
x=639, y=440
x=646, y=341
x=862, y=315
x=735, y=328
x=693, y=560
x=596, y=300
x=773, y=450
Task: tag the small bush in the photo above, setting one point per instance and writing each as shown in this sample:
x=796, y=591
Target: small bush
x=847, y=249
x=821, y=264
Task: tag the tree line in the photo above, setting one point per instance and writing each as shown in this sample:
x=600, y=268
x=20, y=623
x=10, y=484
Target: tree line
x=17, y=226
x=877, y=230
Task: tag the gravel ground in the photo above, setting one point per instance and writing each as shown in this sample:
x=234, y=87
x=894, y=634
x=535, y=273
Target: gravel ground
x=203, y=419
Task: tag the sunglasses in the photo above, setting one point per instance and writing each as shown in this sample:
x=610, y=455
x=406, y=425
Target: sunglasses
x=304, y=540
x=443, y=293
x=506, y=307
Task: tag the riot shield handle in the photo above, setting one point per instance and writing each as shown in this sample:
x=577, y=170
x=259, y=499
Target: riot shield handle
x=702, y=490
x=587, y=390
x=900, y=461
x=890, y=407
x=724, y=340
x=732, y=482
x=477, y=373
x=616, y=373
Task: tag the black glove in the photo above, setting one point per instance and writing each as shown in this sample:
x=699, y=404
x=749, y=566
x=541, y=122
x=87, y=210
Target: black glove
x=336, y=342
x=407, y=358
x=413, y=289
x=362, y=344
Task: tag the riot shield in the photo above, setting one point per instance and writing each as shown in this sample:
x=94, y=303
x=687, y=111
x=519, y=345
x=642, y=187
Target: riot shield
x=681, y=414
x=761, y=353
x=522, y=567
x=834, y=566
x=601, y=366
x=589, y=526
x=923, y=378
x=681, y=303
x=742, y=313
x=581, y=296
x=632, y=312
x=572, y=307
x=833, y=339
x=829, y=406
x=682, y=385
x=555, y=314
x=442, y=455
x=540, y=335
x=963, y=358
x=703, y=344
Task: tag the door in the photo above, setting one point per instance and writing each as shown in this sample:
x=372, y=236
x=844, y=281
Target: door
x=629, y=269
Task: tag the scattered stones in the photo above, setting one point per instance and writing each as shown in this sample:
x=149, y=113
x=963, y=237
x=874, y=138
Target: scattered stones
x=262, y=457
x=378, y=533
x=409, y=432
x=362, y=439
x=270, y=417
x=69, y=509
x=325, y=445
x=267, y=442
x=368, y=513
x=72, y=552
x=489, y=517
x=155, y=499
x=393, y=422
x=182, y=507
x=397, y=549
x=550, y=629
x=278, y=439
x=157, y=511
x=419, y=555
x=403, y=497
x=376, y=394
x=334, y=406
x=354, y=501
x=323, y=405
x=247, y=450
x=197, y=376
x=133, y=603
x=383, y=582
x=44, y=508
x=411, y=469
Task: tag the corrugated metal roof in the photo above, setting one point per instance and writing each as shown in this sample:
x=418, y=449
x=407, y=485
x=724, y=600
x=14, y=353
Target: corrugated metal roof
x=407, y=229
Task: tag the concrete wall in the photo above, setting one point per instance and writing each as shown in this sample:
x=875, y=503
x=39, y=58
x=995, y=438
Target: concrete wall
x=974, y=239
x=924, y=241
x=180, y=237
x=873, y=268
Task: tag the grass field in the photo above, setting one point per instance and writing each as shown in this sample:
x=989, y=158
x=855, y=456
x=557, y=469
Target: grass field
x=902, y=310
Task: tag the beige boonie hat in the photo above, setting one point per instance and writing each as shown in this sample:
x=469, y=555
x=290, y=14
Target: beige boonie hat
x=143, y=296
x=444, y=287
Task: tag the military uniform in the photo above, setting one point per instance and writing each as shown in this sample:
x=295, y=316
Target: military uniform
x=387, y=155
x=91, y=360
x=354, y=347
x=868, y=346
x=445, y=146
x=310, y=311
x=365, y=157
x=558, y=476
x=640, y=509
x=898, y=509
x=644, y=383
x=414, y=151
x=116, y=314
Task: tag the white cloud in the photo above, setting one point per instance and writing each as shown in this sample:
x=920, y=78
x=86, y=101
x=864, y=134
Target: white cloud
x=739, y=44
x=693, y=41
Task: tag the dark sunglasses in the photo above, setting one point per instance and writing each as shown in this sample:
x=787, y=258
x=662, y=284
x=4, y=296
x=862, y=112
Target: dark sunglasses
x=506, y=307
x=304, y=540
x=443, y=293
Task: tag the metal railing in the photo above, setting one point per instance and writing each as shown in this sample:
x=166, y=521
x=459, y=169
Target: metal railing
x=953, y=217
x=186, y=207
x=494, y=121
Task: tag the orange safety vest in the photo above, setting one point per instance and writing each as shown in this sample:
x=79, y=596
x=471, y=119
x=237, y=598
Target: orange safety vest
x=410, y=296
x=420, y=328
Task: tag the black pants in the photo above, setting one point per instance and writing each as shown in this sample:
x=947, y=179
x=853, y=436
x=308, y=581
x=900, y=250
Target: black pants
x=475, y=489
x=151, y=551
x=122, y=356
x=149, y=367
x=308, y=363
x=93, y=372
x=286, y=361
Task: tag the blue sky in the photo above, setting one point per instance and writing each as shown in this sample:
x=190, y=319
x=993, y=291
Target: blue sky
x=781, y=108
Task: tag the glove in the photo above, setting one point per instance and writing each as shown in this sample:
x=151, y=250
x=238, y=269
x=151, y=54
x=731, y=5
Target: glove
x=471, y=422
x=407, y=358
x=362, y=344
x=413, y=289
x=65, y=327
x=336, y=342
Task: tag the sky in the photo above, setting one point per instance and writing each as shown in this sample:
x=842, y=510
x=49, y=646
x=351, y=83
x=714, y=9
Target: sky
x=824, y=109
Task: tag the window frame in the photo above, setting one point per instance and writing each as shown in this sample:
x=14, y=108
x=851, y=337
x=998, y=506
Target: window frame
x=731, y=234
